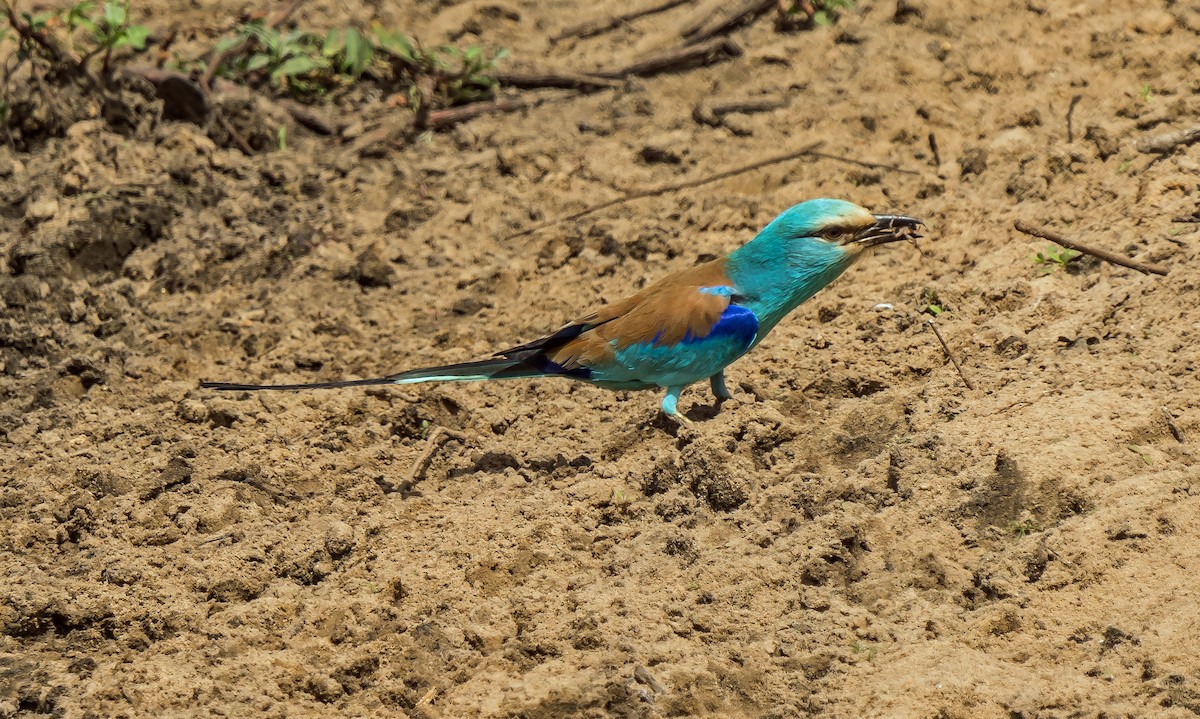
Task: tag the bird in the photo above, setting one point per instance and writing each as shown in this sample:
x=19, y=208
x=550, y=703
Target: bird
x=688, y=326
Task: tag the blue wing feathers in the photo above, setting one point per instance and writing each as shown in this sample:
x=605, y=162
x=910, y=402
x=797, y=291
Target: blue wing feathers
x=736, y=323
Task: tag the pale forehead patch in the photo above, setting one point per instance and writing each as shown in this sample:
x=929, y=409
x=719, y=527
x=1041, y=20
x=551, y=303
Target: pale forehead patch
x=849, y=217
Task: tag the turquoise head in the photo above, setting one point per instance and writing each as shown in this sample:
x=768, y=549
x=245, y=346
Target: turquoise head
x=805, y=248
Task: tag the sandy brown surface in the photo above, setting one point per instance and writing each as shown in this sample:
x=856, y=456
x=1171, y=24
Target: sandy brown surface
x=856, y=534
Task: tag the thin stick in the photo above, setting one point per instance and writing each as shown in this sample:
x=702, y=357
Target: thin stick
x=664, y=189
x=432, y=443
x=454, y=115
x=1047, y=234
x=1162, y=144
x=723, y=19
x=233, y=133
x=568, y=80
x=709, y=112
x=864, y=163
x=49, y=44
x=933, y=147
x=715, y=50
x=597, y=27
x=946, y=349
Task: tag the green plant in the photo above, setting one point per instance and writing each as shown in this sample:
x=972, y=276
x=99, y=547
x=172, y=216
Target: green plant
x=822, y=13
x=441, y=75
x=349, y=50
x=298, y=61
x=108, y=31
x=1023, y=529
x=1139, y=452
x=105, y=30
x=1053, y=257
x=931, y=304
x=870, y=649
x=1145, y=92
x=307, y=63
x=828, y=10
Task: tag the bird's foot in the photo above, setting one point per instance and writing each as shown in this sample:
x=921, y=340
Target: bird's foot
x=680, y=418
x=670, y=406
x=719, y=390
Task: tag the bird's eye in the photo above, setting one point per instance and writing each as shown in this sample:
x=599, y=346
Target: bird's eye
x=833, y=234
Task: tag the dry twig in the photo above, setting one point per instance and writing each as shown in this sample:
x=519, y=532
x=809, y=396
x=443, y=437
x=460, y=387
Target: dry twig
x=454, y=115
x=664, y=189
x=709, y=112
x=715, y=50
x=949, y=354
x=433, y=442
x=808, y=151
x=567, y=80
x=1162, y=144
x=725, y=18
x=59, y=53
x=864, y=163
x=1047, y=234
x=596, y=27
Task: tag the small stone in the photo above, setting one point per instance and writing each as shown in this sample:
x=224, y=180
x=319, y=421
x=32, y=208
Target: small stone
x=373, y=270
x=42, y=209
x=192, y=410
x=1154, y=22
x=339, y=539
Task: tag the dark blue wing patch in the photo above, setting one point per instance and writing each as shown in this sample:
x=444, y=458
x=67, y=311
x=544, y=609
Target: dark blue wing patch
x=736, y=323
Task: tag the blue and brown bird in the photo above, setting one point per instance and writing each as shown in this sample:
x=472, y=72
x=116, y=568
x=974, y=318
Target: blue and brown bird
x=689, y=326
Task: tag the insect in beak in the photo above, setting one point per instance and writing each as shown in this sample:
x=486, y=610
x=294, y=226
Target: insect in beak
x=889, y=228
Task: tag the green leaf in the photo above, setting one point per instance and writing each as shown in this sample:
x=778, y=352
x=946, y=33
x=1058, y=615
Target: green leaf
x=257, y=62
x=335, y=42
x=359, y=53
x=226, y=44
x=394, y=43
x=114, y=14
x=136, y=36
x=77, y=17
x=294, y=66
x=38, y=21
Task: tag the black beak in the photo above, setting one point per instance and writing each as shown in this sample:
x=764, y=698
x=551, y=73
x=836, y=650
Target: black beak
x=889, y=228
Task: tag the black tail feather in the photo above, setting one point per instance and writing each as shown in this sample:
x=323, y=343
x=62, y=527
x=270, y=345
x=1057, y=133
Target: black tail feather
x=501, y=368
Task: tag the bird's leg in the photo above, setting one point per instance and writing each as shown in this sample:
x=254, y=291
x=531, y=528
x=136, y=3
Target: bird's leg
x=670, y=405
x=719, y=390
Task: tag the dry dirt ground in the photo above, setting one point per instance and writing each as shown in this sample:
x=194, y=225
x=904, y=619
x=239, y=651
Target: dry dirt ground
x=856, y=534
